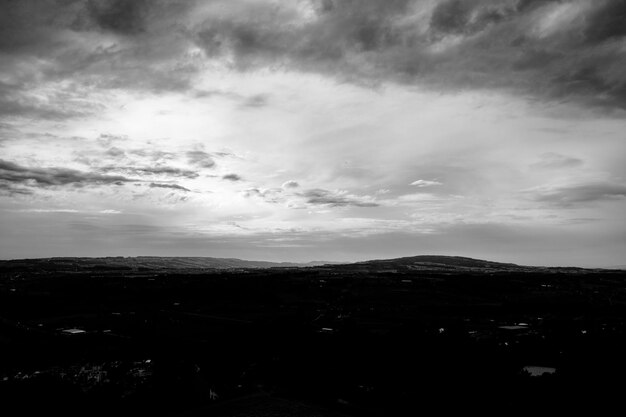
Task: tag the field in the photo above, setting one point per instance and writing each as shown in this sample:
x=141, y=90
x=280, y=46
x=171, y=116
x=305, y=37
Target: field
x=391, y=337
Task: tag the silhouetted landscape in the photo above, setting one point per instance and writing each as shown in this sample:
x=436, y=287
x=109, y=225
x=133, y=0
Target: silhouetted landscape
x=331, y=157
x=225, y=337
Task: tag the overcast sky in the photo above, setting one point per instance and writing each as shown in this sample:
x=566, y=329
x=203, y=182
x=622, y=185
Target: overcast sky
x=314, y=129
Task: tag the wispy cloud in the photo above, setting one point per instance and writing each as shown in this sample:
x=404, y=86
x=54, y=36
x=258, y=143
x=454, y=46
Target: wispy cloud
x=152, y=171
x=201, y=159
x=50, y=211
x=170, y=186
x=425, y=183
x=337, y=198
x=12, y=173
x=231, y=177
x=258, y=100
x=556, y=160
x=110, y=211
x=8, y=189
x=572, y=195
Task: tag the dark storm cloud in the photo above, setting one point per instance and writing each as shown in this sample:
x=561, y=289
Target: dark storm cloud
x=451, y=17
x=201, y=159
x=319, y=196
x=546, y=49
x=158, y=170
x=232, y=177
x=265, y=34
x=571, y=195
x=24, y=30
x=510, y=45
x=121, y=16
x=170, y=186
x=607, y=22
x=54, y=40
x=12, y=174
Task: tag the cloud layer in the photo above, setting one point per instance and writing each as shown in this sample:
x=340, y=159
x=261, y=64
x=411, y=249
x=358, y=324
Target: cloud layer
x=397, y=126
x=553, y=50
x=12, y=174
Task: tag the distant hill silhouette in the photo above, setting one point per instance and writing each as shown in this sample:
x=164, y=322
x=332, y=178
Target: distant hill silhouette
x=437, y=263
x=141, y=263
x=455, y=261
x=443, y=263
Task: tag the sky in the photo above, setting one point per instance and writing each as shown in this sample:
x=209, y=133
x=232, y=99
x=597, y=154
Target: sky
x=300, y=130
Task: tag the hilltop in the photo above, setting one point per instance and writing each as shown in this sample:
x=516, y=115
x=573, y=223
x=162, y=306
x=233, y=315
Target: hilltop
x=455, y=265
x=149, y=264
x=139, y=264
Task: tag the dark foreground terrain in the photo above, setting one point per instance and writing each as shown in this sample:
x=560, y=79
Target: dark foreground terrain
x=422, y=335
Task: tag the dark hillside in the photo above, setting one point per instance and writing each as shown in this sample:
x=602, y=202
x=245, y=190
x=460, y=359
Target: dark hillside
x=392, y=337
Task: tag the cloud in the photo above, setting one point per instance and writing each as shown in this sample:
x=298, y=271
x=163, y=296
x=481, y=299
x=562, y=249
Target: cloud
x=549, y=49
x=201, y=159
x=451, y=17
x=323, y=197
x=65, y=210
x=311, y=197
x=290, y=184
x=50, y=211
x=98, y=43
x=555, y=160
x=576, y=194
x=121, y=16
x=17, y=101
x=417, y=198
x=6, y=127
x=425, y=183
x=224, y=154
x=270, y=195
x=156, y=156
x=258, y=100
x=149, y=171
x=11, y=190
x=170, y=186
x=509, y=45
x=107, y=139
x=232, y=177
x=606, y=22
x=12, y=173
x=115, y=152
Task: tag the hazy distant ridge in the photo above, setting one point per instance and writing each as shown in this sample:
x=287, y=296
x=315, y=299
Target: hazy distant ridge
x=140, y=263
x=156, y=263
